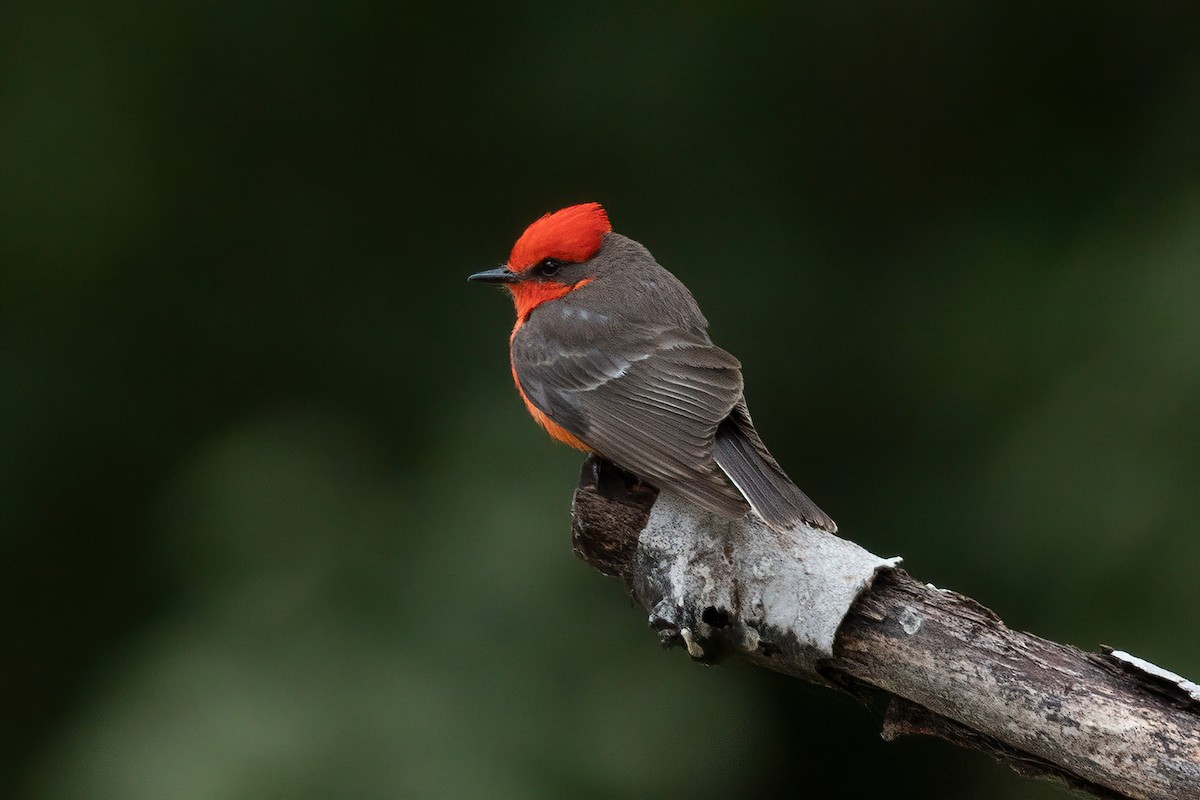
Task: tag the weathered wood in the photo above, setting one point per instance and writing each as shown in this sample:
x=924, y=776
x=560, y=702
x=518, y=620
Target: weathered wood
x=1101, y=723
x=1044, y=707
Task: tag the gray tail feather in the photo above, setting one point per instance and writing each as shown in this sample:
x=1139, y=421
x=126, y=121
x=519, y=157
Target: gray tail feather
x=744, y=458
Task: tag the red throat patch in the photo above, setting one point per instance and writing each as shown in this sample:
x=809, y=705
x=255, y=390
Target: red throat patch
x=570, y=234
x=528, y=296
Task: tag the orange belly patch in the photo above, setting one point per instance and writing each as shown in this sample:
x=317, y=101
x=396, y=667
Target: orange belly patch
x=555, y=430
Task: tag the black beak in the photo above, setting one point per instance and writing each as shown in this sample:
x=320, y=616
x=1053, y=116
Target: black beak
x=497, y=275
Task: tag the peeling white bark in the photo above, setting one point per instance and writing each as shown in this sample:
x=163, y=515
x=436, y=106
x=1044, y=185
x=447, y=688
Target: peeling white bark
x=743, y=586
x=1156, y=672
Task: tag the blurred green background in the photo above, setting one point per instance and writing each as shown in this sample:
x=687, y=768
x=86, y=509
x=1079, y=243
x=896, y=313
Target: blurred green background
x=273, y=522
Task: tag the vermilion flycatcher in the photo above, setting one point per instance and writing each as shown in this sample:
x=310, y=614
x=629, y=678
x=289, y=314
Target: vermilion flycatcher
x=611, y=355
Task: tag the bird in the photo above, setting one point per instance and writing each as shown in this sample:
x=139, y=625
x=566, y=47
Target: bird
x=611, y=355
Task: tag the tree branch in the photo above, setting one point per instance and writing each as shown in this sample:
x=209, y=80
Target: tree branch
x=821, y=608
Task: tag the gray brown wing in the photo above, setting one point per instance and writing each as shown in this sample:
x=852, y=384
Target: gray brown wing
x=651, y=401
x=743, y=457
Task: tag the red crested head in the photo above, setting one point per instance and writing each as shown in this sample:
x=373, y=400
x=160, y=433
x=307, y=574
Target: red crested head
x=572, y=234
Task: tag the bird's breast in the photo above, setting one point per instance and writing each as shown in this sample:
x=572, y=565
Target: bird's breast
x=555, y=430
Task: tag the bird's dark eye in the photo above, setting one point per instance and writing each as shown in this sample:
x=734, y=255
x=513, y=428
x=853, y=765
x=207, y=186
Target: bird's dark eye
x=549, y=266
